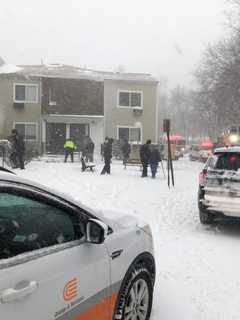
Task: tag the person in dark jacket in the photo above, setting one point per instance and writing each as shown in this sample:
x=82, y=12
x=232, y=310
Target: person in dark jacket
x=18, y=146
x=154, y=160
x=126, y=149
x=145, y=154
x=107, y=155
x=89, y=150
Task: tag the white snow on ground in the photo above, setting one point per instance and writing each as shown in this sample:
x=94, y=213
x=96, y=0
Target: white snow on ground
x=198, y=267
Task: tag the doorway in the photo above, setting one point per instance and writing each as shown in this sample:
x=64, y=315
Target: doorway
x=55, y=137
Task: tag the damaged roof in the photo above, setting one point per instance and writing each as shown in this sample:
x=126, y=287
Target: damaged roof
x=72, y=72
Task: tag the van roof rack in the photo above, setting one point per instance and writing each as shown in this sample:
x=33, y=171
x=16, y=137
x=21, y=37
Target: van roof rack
x=6, y=170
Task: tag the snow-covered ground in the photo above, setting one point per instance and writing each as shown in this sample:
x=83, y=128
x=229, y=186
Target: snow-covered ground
x=198, y=267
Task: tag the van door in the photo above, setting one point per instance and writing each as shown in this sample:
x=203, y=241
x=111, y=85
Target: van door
x=47, y=270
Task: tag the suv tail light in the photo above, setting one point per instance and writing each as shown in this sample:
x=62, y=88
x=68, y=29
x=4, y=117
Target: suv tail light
x=202, y=176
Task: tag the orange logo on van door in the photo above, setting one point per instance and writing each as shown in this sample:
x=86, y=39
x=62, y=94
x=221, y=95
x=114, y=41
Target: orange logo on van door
x=70, y=290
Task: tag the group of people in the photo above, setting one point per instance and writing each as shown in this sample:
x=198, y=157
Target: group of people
x=87, y=149
x=149, y=156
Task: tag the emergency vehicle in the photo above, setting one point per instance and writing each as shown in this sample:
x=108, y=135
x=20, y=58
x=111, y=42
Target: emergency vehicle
x=177, y=145
x=230, y=137
x=205, y=149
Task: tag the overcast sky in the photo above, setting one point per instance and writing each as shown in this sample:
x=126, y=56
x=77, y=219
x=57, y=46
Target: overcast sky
x=162, y=37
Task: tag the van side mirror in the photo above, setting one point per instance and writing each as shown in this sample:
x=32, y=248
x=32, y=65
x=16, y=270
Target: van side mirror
x=96, y=231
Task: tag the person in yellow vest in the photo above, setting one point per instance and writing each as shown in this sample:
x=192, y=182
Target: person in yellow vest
x=69, y=147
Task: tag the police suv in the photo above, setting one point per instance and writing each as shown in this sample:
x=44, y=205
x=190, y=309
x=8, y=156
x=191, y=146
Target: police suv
x=219, y=186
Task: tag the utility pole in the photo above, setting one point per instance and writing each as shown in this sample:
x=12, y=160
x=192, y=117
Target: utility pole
x=170, y=173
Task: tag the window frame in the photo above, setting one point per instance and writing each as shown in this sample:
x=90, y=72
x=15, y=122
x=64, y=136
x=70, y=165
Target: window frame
x=30, y=123
x=129, y=107
x=26, y=85
x=130, y=127
x=40, y=195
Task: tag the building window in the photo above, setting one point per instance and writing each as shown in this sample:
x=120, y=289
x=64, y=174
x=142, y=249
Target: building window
x=26, y=93
x=132, y=134
x=52, y=97
x=27, y=130
x=130, y=99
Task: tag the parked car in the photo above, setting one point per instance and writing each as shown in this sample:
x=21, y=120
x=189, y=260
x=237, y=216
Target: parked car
x=62, y=260
x=219, y=186
x=206, y=146
x=194, y=153
x=204, y=155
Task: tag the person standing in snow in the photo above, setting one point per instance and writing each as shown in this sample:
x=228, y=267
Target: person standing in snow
x=126, y=149
x=69, y=147
x=154, y=160
x=18, y=146
x=107, y=155
x=89, y=150
x=84, y=147
x=145, y=154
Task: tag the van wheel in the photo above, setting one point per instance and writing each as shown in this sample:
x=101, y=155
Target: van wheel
x=205, y=217
x=135, y=298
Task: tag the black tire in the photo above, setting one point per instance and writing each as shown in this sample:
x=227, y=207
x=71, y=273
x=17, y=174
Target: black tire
x=205, y=217
x=138, y=275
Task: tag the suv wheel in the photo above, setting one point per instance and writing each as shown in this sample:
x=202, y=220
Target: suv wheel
x=135, y=298
x=205, y=217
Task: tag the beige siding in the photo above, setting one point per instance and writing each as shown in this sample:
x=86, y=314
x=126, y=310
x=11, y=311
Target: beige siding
x=9, y=114
x=115, y=116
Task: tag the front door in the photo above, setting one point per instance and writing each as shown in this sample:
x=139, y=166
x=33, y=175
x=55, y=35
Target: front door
x=55, y=137
x=47, y=270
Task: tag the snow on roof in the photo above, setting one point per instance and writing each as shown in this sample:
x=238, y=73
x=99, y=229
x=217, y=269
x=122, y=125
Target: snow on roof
x=72, y=72
x=8, y=68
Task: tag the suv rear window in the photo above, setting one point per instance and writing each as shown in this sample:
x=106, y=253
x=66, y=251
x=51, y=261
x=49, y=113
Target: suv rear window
x=228, y=161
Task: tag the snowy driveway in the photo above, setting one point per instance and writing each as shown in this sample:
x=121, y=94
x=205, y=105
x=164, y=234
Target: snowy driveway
x=198, y=267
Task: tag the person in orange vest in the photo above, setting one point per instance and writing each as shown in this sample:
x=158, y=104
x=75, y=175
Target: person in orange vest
x=69, y=147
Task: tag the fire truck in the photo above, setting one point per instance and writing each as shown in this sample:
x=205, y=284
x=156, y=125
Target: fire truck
x=177, y=144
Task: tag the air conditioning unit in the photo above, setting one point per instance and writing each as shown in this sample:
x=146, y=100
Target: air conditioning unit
x=18, y=105
x=137, y=111
x=52, y=103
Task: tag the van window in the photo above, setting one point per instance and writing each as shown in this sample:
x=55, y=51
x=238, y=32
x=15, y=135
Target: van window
x=27, y=225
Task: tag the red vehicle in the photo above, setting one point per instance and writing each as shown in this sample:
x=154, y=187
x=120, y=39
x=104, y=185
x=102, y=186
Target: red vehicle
x=206, y=146
x=178, y=145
